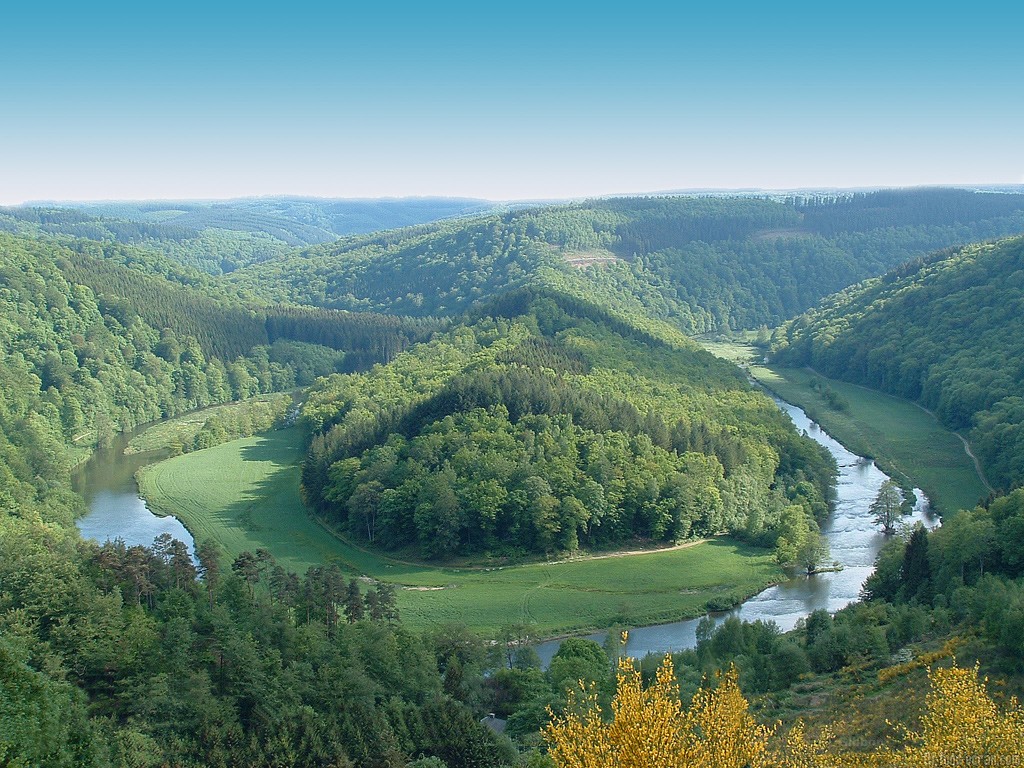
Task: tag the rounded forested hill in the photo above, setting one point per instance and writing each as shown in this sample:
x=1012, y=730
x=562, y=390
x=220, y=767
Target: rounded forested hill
x=547, y=431
x=947, y=331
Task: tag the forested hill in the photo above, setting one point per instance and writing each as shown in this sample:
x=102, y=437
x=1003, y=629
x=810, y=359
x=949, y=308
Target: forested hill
x=545, y=430
x=220, y=236
x=120, y=656
x=553, y=410
x=130, y=281
x=114, y=655
x=91, y=346
x=947, y=331
x=701, y=263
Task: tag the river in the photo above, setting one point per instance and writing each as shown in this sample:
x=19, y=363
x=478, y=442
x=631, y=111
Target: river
x=853, y=539
x=107, y=482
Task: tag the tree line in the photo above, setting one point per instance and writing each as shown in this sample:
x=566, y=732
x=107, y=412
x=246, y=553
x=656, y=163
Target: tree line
x=701, y=263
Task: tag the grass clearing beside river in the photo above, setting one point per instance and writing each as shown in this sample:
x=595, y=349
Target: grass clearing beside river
x=902, y=437
x=245, y=494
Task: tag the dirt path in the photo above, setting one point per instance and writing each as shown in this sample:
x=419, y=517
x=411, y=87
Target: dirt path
x=388, y=560
x=967, y=450
x=630, y=552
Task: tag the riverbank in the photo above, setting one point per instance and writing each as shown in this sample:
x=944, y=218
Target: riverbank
x=245, y=494
x=905, y=440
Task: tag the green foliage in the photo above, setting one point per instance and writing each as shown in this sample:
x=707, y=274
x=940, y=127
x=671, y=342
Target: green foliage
x=907, y=442
x=578, y=659
x=766, y=659
x=215, y=425
x=969, y=569
x=946, y=331
x=701, y=264
x=42, y=720
x=251, y=667
x=435, y=270
x=561, y=414
x=115, y=654
x=79, y=366
x=244, y=496
x=497, y=438
x=223, y=236
x=887, y=507
x=130, y=282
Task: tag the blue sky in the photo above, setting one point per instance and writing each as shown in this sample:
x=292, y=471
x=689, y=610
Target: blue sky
x=503, y=101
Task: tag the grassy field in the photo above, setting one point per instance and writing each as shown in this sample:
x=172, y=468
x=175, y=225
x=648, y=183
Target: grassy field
x=244, y=495
x=903, y=438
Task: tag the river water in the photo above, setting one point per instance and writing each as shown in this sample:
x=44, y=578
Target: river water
x=853, y=539
x=107, y=482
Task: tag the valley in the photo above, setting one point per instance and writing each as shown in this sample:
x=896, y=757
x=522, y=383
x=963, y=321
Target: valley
x=906, y=441
x=426, y=385
x=243, y=495
x=405, y=455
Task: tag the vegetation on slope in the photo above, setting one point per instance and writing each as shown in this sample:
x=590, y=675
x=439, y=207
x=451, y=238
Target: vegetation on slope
x=650, y=727
x=549, y=432
x=130, y=281
x=244, y=496
x=119, y=656
x=946, y=331
x=75, y=369
x=907, y=442
x=219, y=237
x=701, y=263
x=212, y=426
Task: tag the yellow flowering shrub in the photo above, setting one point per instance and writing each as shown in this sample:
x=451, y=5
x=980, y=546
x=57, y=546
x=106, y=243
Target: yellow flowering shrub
x=650, y=728
x=924, y=660
x=962, y=726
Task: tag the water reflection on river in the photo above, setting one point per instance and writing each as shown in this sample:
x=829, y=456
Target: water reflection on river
x=107, y=483
x=853, y=538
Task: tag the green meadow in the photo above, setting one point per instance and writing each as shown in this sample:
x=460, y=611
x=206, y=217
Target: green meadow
x=245, y=494
x=906, y=441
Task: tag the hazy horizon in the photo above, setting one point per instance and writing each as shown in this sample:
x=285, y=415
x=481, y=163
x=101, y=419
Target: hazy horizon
x=738, y=191
x=503, y=104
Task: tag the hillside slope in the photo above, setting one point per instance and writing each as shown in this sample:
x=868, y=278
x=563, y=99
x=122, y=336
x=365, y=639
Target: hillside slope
x=547, y=430
x=220, y=236
x=947, y=331
x=701, y=263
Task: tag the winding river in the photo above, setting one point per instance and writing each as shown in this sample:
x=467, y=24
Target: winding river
x=853, y=539
x=107, y=482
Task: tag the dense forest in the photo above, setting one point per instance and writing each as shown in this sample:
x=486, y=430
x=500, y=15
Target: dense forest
x=88, y=363
x=545, y=432
x=701, y=263
x=219, y=237
x=514, y=384
x=946, y=331
x=119, y=656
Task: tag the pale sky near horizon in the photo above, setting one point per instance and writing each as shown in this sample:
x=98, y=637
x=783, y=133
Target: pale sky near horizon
x=526, y=100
